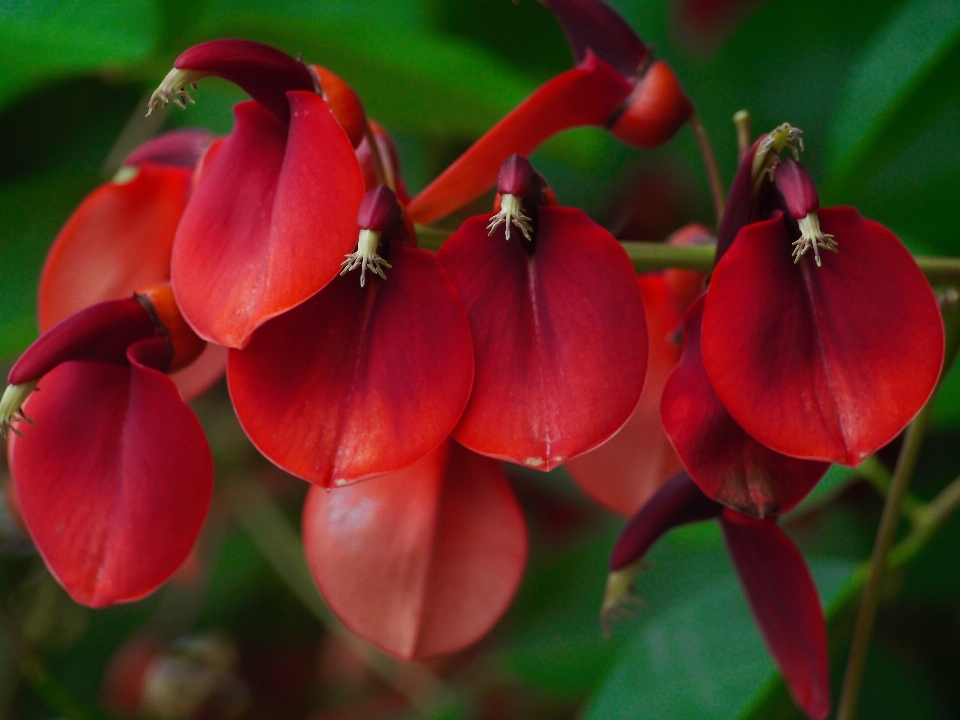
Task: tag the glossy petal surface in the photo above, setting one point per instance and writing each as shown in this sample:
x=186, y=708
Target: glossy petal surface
x=358, y=381
x=831, y=362
x=422, y=561
x=785, y=605
x=118, y=240
x=728, y=465
x=272, y=215
x=559, y=337
x=624, y=472
x=585, y=95
x=114, y=480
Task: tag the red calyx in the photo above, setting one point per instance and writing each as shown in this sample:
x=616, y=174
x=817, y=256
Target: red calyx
x=656, y=109
x=797, y=188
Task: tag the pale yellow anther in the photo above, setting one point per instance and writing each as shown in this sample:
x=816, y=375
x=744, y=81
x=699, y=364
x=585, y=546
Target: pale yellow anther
x=812, y=237
x=11, y=402
x=366, y=257
x=173, y=89
x=511, y=213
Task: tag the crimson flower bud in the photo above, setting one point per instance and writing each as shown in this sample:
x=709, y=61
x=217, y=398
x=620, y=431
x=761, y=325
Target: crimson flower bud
x=800, y=196
x=185, y=344
x=344, y=103
x=515, y=176
x=654, y=111
x=379, y=212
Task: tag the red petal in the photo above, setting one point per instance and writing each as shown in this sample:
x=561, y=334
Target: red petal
x=560, y=338
x=114, y=480
x=179, y=148
x=728, y=465
x=270, y=220
x=594, y=25
x=358, y=381
x=785, y=605
x=585, y=95
x=117, y=241
x=831, y=362
x=422, y=561
x=624, y=472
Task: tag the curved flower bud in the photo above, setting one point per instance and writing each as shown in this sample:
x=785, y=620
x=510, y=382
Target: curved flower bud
x=729, y=465
x=422, y=561
x=656, y=109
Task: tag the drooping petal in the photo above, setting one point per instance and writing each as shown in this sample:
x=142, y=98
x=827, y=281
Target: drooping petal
x=824, y=362
x=624, y=472
x=728, y=465
x=559, y=337
x=585, y=95
x=114, y=480
x=785, y=605
x=358, y=381
x=118, y=240
x=177, y=148
x=272, y=215
x=422, y=561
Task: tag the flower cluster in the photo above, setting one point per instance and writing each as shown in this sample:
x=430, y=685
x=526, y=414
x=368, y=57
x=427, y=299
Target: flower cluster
x=285, y=255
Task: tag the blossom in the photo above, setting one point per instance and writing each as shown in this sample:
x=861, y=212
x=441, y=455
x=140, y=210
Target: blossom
x=772, y=571
x=370, y=374
x=112, y=470
x=558, y=327
x=824, y=356
x=274, y=204
x=421, y=561
x=617, y=84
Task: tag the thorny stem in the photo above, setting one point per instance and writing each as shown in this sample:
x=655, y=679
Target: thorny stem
x=270, y=531
x=889, y=523
x=710, y=165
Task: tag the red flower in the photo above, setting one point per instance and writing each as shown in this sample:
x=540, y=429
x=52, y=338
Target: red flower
x=274, y=205
x=773, y=574
x=421, y=561
x=558, y=326
x=371, y=373
x=113, y=472
x=617, y=84
x=820, y=356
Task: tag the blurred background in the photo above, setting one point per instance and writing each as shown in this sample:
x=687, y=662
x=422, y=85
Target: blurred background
x=240, y=632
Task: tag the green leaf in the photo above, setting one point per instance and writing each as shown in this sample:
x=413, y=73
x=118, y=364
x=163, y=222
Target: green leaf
x=902, y=82
x=702, y=659
x=40, y=39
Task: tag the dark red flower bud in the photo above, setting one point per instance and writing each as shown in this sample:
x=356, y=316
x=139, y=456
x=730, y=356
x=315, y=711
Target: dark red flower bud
x=263, y=72
x=344, y=104
x=516, y=175
x=594, y=25
x=180, y=148
x=378, y=210
x=655, y=110
x=797, y=188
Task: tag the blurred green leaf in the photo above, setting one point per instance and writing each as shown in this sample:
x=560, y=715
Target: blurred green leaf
x=903, y=80
x=40, y=39
x=702, y=659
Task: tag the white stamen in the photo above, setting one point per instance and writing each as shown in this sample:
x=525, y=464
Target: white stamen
x=11, y=402
x=366, y=257
x=173, y=89
x=511, y=213
x=811, y=236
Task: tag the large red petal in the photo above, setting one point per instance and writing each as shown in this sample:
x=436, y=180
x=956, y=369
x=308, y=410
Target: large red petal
x=118, y=240
x=624, y=472
x=728, y=465
x=270, y=219
x=422, y=561
x=358, y=381
x=830, y=362
x=559, y=337
x=785, y=605
x=114, y=480
x=586, y=95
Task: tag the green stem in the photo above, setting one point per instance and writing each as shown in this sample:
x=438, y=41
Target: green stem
x=659, y=256
x=879, y=478
x=265, y=524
